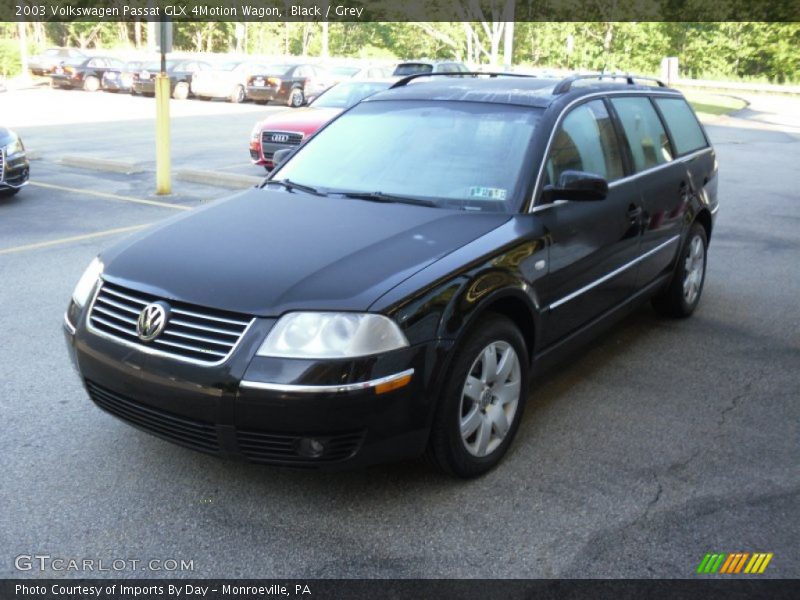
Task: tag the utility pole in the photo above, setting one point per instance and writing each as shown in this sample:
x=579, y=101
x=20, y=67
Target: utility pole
x=508, y=40
x=22, y=28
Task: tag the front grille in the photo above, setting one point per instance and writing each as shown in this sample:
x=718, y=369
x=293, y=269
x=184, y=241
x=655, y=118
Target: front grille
x=192, y=333
x=260, y=446
x=180, y=430
x=286, y=139
x=2, y=164
x=282, y=137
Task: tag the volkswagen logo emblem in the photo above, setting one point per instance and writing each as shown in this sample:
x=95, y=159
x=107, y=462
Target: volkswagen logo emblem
x=152, y=321
x=280, y=137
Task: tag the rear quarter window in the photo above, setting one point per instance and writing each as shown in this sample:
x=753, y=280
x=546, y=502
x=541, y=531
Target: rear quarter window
x=682, y=124
x=646, y=136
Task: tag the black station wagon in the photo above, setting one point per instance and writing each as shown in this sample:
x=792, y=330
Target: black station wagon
x=393, y=286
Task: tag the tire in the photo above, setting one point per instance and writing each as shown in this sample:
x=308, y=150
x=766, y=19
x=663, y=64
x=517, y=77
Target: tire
x=237, y=96
x=681, y=297
x=91, y=84
x=476, y=402
x=296, y=98
x=181, y=91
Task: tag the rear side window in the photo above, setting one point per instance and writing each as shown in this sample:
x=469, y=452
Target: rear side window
x=585, y=142
x=647, y=139
x=682, y=124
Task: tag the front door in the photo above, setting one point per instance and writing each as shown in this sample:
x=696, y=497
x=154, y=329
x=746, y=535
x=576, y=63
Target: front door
x=593, y=244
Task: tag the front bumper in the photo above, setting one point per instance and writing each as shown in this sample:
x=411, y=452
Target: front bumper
x=116, y=85
x=65, y=81
x=145, y=87
x=14, y=171
x=274, y=411
x=210, y=89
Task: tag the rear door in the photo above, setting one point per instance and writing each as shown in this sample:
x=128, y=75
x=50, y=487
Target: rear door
x=662, y=182
x=592, y=244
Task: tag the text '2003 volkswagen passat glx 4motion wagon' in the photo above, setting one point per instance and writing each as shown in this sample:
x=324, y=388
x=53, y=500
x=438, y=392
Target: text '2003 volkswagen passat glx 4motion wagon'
x=393, y=286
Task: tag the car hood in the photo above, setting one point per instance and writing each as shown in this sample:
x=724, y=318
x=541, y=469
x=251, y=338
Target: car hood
x=265, y=252
x=307, y=119
x=6, y=136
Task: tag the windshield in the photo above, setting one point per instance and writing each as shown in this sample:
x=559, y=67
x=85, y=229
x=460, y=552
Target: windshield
x=464, y=155
x=273, y=70
x=156, y=66
x=344, y=71
x=413, y=69
x=346, y=95
x=229, y=66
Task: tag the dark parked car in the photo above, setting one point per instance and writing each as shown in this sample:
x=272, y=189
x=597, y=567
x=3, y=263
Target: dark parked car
x=376, y=300
x=14, y=168
x=44, y=63
x=120, y=79
x=415, y=67
x=180, y=77
x=293, y=85
x=83, y=72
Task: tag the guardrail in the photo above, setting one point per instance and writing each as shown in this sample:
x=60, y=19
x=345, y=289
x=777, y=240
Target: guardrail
x=737, y=86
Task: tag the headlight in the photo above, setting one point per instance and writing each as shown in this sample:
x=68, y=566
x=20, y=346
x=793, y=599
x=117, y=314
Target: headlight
x=15, y=147
x=320, y=335
x=87, y=282
x=254, y=135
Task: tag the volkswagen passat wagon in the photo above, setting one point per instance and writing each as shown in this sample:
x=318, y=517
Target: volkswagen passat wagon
x=393, y=286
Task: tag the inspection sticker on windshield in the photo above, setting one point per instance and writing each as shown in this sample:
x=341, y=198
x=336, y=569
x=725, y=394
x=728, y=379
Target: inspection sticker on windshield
x=487, y=193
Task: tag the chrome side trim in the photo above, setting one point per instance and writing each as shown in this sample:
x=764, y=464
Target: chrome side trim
x=68, y=326
x=612, y=274
x=324, y=389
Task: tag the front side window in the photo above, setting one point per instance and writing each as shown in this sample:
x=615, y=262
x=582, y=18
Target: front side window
x=585, y=142
x=464, y=155
x=645, y=134
x=682, y=124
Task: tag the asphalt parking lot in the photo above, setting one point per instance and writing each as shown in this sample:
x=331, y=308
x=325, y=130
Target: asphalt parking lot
x=661, y=442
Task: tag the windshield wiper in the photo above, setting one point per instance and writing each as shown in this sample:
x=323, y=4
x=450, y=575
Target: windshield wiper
x=381, y=197
x=291, y=185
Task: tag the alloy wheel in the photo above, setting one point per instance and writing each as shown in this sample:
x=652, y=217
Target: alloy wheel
x=490, y=398
x=694, y=267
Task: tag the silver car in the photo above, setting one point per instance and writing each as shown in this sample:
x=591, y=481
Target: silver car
x=227, y=80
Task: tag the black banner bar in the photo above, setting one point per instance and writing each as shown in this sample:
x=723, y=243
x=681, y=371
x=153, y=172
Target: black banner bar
x=323, y=589
x=400, y=10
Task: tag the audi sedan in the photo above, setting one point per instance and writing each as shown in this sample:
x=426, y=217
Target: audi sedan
x=14, y=166
x=377, y=301
x=289, y=129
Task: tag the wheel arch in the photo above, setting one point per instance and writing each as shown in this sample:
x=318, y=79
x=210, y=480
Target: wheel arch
x=704, y=218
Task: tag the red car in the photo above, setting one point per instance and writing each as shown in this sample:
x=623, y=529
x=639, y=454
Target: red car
x=290, y=128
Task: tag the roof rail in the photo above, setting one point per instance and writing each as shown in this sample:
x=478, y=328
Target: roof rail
x=565, y=85
x=402, y=82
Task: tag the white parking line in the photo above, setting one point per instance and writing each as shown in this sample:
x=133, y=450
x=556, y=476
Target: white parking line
x=108, y=196
x=75, y=238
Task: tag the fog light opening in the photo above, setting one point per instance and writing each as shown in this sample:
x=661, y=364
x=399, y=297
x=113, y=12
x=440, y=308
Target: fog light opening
x=310, y=447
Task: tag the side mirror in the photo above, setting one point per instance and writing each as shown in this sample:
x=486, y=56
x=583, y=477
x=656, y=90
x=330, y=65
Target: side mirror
x=579, y=186
x=280, y=156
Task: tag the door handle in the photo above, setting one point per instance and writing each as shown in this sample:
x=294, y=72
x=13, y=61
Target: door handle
x=634, y=212
x=684, y=191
